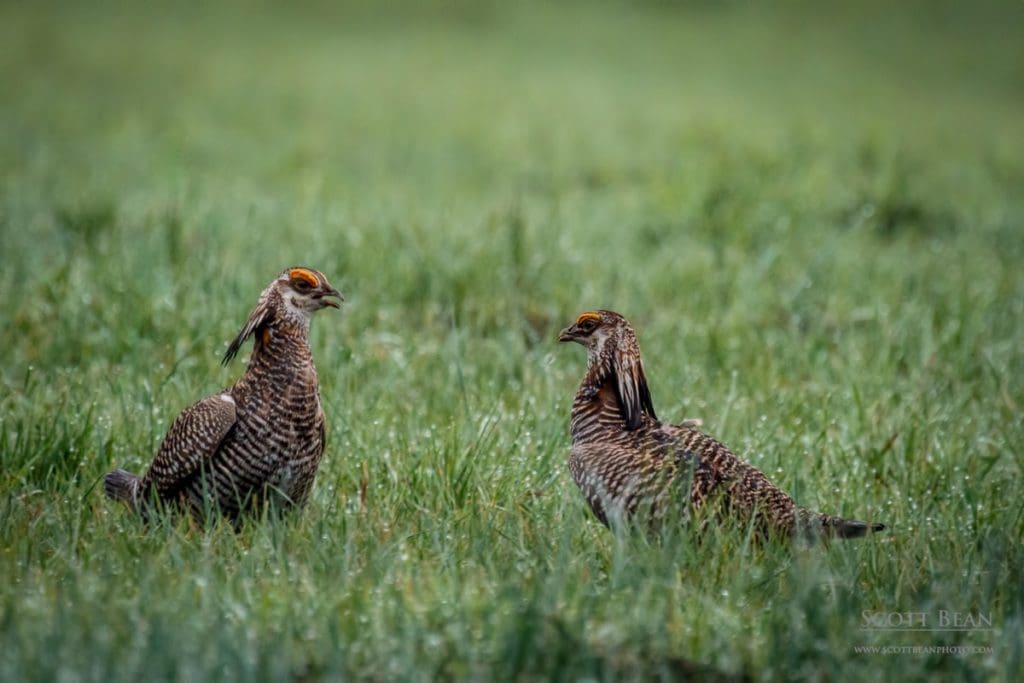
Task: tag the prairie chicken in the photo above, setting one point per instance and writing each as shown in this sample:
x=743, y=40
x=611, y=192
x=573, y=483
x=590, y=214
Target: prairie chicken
x=263, y=436
x=623, y=457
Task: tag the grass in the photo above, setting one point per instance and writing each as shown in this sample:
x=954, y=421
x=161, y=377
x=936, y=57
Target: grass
x=813, y=217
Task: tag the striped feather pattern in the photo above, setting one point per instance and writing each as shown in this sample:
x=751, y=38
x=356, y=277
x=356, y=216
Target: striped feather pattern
x=260, y=439
x=623, y=457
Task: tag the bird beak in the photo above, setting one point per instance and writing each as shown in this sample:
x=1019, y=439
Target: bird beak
x=567, y=335
x=332, y=292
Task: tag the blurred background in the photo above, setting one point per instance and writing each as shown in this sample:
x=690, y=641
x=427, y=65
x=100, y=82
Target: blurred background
x=515, y=151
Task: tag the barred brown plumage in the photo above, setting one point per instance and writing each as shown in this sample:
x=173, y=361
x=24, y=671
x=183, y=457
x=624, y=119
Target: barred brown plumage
x=623, y=457
x=261, y=438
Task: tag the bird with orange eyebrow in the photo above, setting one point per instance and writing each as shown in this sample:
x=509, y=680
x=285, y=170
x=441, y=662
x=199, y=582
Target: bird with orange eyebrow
x=625, y=459
x=262, y=438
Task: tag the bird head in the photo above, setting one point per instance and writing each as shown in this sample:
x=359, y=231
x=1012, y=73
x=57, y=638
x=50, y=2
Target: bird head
x=304, y=291
x=290, y=299
x=613, y=352
x=594, y=329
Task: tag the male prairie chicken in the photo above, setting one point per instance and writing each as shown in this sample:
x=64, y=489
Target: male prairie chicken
x=623, y=457
x=261, y=437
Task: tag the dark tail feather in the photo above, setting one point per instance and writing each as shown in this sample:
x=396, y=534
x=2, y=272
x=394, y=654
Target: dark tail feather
x=851, y=528
x=122, y=485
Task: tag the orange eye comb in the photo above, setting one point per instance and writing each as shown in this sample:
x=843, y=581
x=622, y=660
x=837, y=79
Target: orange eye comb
x=304, y=274
x=596, y=317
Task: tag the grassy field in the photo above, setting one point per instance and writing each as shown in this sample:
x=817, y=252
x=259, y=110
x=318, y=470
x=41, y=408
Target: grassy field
x=814, y=219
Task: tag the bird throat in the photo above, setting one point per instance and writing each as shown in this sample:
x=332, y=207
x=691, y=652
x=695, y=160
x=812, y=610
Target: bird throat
x=285, y=339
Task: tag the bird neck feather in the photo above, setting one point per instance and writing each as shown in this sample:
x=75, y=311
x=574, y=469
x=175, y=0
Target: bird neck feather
x=618, y=363
x=269, y=319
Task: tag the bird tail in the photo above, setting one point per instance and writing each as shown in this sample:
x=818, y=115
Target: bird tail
x=837, y=527
x=813, y=526
x=123, y=486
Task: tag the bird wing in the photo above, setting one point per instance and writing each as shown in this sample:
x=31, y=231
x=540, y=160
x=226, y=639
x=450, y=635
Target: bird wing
x=192, y=440
x=746, y=488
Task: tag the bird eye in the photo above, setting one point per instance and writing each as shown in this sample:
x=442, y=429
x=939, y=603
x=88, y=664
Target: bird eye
x=302, y=285
x=588, y=325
